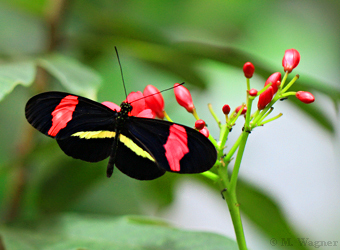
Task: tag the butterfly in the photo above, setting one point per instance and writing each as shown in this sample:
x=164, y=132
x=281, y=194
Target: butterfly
x=142, y=148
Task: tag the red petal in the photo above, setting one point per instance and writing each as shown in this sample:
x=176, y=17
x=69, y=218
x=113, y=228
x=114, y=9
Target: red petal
x=147, y=113
x=274, y=78
x=155, y=101
x=265, y=98
x=205, y=132
x=183, y=97
x=137, y=106
x=112, y=106
x=290, y=60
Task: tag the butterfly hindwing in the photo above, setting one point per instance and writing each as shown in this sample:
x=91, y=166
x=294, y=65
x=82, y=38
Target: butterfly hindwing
x=134, y=159
x=175, y=147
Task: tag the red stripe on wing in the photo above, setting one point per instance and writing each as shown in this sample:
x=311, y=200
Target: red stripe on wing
x=176, y=146
x=62, y=114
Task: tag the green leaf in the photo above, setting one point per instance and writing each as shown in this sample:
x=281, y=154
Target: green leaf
x=73, y=75
x=266, y=214
x=128, y=233
x=12, y=74
x=263, y=212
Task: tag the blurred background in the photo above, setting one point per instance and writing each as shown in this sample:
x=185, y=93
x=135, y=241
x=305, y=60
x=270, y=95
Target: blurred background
x=290, y=176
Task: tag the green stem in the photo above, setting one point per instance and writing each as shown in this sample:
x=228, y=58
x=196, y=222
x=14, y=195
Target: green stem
x=234, y=209
x=224, y=132
x=233, y=148
x=195, y=114
x=210, y=175
x=214, y=115
x=166, y=116
x=263, y=117
x=233, y=206
x=233, y=179
x=290, y=83
x=271, y=119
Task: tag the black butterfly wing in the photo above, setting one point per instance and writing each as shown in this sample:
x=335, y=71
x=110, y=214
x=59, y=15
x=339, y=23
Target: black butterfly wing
x=134, y=160
x=64, y=117
x=176, y=148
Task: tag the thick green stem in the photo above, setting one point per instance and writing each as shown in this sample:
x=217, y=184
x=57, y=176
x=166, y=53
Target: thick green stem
x=233, y=180
x=234, y=209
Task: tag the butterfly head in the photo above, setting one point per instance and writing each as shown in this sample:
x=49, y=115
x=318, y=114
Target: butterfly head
x=125, y=108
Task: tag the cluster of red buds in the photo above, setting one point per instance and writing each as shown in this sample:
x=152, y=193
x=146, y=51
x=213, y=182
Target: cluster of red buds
x=274, y=89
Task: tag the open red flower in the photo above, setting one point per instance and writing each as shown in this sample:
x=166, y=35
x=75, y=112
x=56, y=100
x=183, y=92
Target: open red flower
x=290, y=60
x=183, y=97
x=154, y=101
x=139, y=107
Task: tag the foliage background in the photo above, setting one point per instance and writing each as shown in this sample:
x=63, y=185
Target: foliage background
x=290, y=173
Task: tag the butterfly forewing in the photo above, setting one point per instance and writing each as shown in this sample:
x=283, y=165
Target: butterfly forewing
x=175, y=147
x=60, y=115
x=66, y=117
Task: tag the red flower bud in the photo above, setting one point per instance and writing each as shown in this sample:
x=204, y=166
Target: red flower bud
x=275, y=79
x=252, y=92
x=305, y=97
x=248, y=69
x=290, y=60
x=243, y=111
x=183, y=97
x=199, y=124
x=154, y=101
x=265, y=98
x=205, y=132
x=226, y=109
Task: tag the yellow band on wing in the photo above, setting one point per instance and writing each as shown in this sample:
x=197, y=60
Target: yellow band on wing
x=135, y=148
x=109, y=134
x=95, y=134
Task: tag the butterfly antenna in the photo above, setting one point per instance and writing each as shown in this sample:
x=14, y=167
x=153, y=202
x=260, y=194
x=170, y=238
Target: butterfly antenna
x=158, y=92
x=121, y=71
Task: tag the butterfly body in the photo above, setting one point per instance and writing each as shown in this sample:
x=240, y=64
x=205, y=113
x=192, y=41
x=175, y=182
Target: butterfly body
x=142, y=148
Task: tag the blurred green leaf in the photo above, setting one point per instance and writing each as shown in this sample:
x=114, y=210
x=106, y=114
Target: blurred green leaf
x=36, y=7
x=266, y=214
x=263, y=211
x=73, y=75
x=12, y=74
x=20, y=33
x=85, y=232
